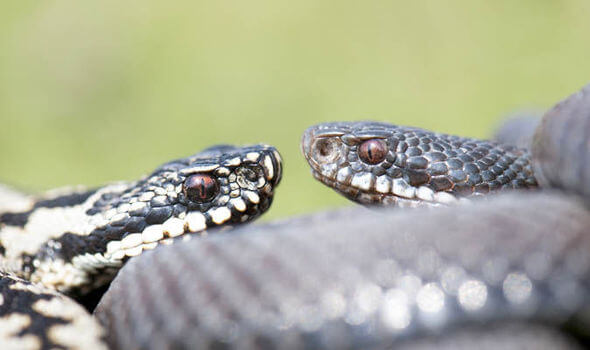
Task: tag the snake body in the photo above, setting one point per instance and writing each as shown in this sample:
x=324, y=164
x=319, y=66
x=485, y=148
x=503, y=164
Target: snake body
x=362, y=279
x=511, y=271
x=74, y=242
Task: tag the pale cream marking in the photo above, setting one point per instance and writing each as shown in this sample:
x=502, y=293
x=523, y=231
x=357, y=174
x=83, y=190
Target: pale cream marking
x=152, y=233
x=199, y=169
x=160, y=191
x=149, y=246
x=134, y=251
x=252, y=197
x=223, y=200
x=123, y=207
x=133, y=244
x=146, y=196
x=137, y=206
x=364, y=181
x=222, y=171
x=113, y=246
x=425, y=193
x=279, y=161
x=60, y=275
x=402, y=189
x=344, y=175
x=131, y=240
x=195, y=221
x=174, y=227
x=30, y=287
x=445, y=197
x=233, y=162
x=238, y=203
x=269, y=166
x=220, y=215
x=383, y=184
x=10, y=327
x=82, y=332
x=252, y=156
x=14, y=201
x=118, y=255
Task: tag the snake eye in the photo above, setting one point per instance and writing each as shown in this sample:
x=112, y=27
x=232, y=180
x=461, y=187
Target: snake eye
x=373, y=151
x=200, y=187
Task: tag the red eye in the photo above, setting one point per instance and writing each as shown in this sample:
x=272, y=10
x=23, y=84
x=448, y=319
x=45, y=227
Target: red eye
x=373, y=151
x=200, y=187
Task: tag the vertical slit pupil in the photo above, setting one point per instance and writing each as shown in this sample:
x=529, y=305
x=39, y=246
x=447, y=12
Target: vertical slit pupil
x=373, y=151
x=200, y=187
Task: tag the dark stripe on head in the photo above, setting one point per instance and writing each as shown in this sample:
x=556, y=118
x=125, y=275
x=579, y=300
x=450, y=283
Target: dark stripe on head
x=21, y=301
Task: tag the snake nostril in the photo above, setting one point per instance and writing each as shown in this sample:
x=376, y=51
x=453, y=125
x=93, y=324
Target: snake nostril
x=325, y=149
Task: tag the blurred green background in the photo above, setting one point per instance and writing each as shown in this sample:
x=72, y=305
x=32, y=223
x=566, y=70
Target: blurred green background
x=92, y=92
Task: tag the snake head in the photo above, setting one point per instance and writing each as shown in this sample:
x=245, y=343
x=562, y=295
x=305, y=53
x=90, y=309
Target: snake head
x=222, y=185
x=218, y=186
x=379, y=163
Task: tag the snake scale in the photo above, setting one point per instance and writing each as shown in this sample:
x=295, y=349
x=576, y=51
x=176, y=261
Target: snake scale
x=504, y=270
x=73, y=242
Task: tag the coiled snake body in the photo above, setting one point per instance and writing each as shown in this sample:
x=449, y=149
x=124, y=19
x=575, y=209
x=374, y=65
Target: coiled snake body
x=511, y=271
x=74, y=242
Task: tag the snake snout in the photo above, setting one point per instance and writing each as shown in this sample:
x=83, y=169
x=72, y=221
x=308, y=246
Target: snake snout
x=321, y=150
x=274, y=166
x=306, y=140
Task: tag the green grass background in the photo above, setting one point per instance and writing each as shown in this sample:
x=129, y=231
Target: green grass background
x=92, y=92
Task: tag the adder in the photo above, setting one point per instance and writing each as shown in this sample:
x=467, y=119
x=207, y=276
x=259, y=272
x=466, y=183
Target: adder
x=510, y=271
x=71, y=242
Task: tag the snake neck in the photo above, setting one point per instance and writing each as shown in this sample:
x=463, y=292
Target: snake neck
x=41, y=241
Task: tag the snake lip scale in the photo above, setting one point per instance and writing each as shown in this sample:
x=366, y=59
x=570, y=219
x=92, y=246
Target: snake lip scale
x=75, y=243
x=379, y=163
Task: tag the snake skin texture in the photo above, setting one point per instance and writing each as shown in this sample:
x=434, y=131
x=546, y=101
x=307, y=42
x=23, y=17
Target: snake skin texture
x=362, y=278
x=75, y=240
x=419, y=167
x=561, y=146
x=518, y=130
x=496, y=336
x=35, y=317
x=510, y=271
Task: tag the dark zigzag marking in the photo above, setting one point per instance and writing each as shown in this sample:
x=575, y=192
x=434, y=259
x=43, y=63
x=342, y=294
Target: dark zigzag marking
x=20, y=301
x=68, y=200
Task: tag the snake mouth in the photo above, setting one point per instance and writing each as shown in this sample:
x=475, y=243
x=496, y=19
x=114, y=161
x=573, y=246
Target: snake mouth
x=194, y=223
x=397, y=193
